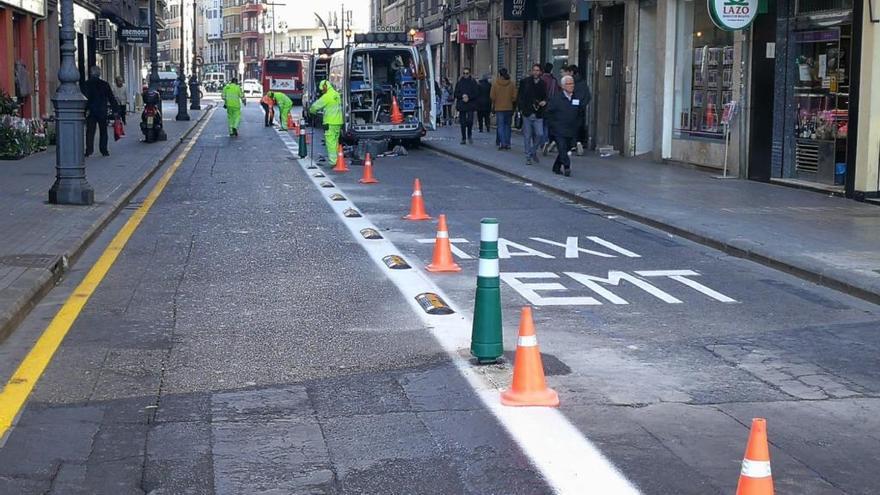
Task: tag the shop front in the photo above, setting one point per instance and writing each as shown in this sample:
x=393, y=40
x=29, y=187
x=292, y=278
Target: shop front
x=815, y=49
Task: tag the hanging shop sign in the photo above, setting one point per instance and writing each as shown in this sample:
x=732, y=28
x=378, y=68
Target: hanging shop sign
x=134, y=35
x=733, y=15
x=464, y=37
x=520, y=10
x=478, y=30
x=512, y=29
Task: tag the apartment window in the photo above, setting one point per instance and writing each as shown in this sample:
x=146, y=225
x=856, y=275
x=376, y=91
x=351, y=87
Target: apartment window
x=703, y=72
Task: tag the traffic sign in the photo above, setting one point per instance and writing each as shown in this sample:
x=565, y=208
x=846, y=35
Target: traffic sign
x=328, y=42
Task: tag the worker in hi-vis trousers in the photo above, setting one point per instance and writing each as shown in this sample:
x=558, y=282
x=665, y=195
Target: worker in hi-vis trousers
x=331, y=103
x=284, y=103
x=233, y=97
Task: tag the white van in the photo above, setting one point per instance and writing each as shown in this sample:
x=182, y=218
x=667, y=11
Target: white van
x=214, y=81
x=373, y=71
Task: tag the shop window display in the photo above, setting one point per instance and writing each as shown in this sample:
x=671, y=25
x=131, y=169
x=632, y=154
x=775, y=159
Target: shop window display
x=704, y=73
x=821, y=100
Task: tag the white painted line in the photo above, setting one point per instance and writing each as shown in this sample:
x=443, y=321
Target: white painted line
x=529, y=290
x=569, y=462
x=572, y=250
x=681, y=276
x=452, y=240
x=614, y=247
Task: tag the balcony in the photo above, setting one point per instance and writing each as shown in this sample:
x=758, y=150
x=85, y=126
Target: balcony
x=232, y=33
x=250, y=34
x=251, y=8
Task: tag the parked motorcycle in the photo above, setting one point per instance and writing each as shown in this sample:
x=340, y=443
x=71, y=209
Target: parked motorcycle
x=151, y=117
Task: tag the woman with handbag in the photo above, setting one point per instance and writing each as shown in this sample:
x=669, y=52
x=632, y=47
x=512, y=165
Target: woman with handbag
x=503, y=96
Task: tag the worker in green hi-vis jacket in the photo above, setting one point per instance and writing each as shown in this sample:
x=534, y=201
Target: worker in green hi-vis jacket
x=284, y=103
x=232, y=97
x=331, y=103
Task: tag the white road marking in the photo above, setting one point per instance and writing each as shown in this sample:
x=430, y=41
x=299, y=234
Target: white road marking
x=568, y=461
x=504, y=246
x=614, y=247
x=614, y=278
x=571, y=247
x=681, y=276
x=456, y=251
x=529, y=290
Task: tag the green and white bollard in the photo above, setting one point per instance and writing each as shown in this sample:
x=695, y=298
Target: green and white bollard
x=486, y=344
x=301, y=143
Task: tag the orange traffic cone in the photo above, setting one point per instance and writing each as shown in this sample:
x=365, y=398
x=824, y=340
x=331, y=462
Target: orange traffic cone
x=442, y=261
x=396, y=115
x=368, y=172
x=340, y=160
x=755, y=477
x=289, y=121
x=295, y=127
x=417, y=206
x=529, y=387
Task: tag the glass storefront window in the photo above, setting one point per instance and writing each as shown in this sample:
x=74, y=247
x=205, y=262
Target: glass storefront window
x=556, y=45
x=703, y=72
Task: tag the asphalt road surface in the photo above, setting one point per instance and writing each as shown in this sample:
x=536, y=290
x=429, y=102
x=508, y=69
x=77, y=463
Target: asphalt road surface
x=246, y=340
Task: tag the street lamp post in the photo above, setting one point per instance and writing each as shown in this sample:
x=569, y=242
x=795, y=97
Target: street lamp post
x=195, y=98
x=71, y=186
x=181, y=82
x=154, y=49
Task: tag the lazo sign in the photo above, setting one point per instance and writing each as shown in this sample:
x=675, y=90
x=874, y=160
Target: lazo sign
x=733, y=15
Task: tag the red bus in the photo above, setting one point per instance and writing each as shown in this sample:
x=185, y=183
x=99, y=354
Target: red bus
x=285, y=73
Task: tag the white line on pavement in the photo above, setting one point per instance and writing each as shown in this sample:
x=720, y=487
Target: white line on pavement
x=569, y=462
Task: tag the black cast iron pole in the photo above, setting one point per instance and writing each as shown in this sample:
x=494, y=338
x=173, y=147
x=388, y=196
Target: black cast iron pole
x=181, y=82
x=71, y=186
x=194, y=96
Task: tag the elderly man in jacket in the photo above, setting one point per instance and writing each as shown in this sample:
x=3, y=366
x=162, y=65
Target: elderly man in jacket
x=331, y=104
x=562, y=116
x=99, y=95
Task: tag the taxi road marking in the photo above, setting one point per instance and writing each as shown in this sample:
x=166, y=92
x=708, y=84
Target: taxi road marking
x=16, y=392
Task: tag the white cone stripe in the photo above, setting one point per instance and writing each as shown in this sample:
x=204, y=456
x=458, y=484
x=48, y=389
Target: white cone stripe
x=527, y=341
x=442, y=234
x=756, y=469
x=417, y=193
x=489, y=232
x=488, y=268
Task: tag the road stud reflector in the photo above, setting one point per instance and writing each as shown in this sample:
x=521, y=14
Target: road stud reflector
x=368, y=172
x=337, y=197
x=371, y=234
x=318, y=175
x=417, y=204
x=433, y=304
x=326, y=184
x=351, y=213
x=529, y=388
x=340, y=160
x=755, y=477
x=396, y=262
x=442, y=260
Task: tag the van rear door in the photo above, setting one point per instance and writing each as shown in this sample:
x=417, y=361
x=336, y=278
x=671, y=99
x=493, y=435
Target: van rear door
x=426, y=67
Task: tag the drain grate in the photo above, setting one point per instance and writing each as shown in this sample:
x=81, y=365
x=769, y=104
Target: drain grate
x=29, y=260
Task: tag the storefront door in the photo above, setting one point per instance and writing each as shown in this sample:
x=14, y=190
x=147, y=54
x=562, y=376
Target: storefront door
x=763, y=71
x=610, y=85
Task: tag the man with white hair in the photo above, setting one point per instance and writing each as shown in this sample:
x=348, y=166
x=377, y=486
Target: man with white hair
x=100, y=96
x=562, y=116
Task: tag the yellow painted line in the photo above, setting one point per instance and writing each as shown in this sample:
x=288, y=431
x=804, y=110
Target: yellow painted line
x=19, y=387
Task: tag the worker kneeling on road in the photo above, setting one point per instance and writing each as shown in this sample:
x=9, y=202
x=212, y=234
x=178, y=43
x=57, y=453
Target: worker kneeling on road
x=284, y=103
x=331, y=103
x=232, y=98
x=268, y=105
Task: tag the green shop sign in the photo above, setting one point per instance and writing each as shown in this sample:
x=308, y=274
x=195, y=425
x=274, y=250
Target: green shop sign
x=733, y=15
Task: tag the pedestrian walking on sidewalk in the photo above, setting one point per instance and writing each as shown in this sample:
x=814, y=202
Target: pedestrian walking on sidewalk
x=531, y=100
x=448, y=98
x=466, y=93
x=503, y=98
x=563, y=112
x=233, y=96
x=268, y=105
x=100, y=96
x=331, y=104
x=552, y=86
x=484, y=103
x=121, y=95
x=581, y=92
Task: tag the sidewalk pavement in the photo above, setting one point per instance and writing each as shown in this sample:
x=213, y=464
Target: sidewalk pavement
x=40, y=239
x=828, y=240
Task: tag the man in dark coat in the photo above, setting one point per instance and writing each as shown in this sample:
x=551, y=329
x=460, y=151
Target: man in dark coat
x=484, y=103
x=581, y=92
x=100, y=96
x=467, y=91
x=562, y=115
x=531, y=100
